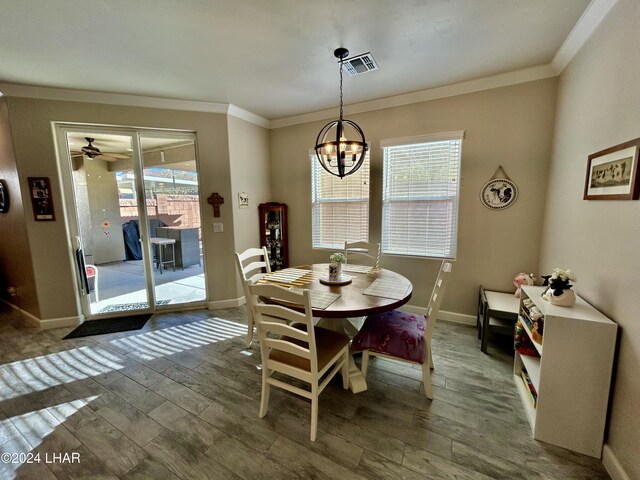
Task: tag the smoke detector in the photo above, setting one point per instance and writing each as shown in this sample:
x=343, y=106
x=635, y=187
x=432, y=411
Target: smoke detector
x=360, y=64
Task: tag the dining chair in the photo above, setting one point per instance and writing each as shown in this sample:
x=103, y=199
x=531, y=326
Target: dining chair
x=292, y=346
x=252, y=264
x=362, y=252
x=402, y=335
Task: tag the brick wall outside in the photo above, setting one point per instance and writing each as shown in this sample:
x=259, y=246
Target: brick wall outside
x=173, y=210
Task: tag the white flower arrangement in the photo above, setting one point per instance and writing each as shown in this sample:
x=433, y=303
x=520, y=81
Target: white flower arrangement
x=559, y=280
x=563, y=275
x=337, y=257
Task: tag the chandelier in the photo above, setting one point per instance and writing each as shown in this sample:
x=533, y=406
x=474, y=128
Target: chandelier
x=340, y=145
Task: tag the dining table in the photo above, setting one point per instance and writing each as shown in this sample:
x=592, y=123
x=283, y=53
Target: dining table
x=343, y=305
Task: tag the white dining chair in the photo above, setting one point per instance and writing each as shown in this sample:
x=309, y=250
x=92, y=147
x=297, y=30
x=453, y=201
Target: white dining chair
x=362, y=253
x=252, y=264
x=291, y=345
x=404, y=336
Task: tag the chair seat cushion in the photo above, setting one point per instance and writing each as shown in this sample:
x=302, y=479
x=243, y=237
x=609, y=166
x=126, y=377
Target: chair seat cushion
x=328, y=345
x=395, y=333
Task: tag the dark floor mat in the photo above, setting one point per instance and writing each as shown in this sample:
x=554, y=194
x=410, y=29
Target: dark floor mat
x=109, y=325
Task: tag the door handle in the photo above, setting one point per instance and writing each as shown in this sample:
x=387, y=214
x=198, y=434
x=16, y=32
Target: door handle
x=82, y=270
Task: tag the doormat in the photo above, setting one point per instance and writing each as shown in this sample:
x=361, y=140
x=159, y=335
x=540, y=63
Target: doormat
x=109, y=325
x=125, y=307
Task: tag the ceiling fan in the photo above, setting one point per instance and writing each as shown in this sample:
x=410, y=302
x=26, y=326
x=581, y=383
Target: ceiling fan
x=93, y=152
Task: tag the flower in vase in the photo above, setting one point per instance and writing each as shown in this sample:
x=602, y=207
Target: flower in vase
x=337, y=257
x=560, y=279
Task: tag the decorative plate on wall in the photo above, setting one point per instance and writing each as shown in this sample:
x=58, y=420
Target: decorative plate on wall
x=498, y=193
x=4, y=197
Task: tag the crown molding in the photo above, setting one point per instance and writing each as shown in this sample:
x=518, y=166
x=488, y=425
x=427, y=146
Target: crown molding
x=48, y=93
x=589, y=21
x=248, y=116
x=487, y=83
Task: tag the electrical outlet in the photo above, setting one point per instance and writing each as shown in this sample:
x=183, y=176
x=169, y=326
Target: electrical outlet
x=218, y=227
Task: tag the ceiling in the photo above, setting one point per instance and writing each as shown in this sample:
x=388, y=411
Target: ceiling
x=274, y=58
x=120, y=145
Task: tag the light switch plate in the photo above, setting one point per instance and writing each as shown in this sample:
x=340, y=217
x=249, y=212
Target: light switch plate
x=218, y=227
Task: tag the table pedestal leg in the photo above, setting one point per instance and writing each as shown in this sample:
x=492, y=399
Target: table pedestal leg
x=357, y=382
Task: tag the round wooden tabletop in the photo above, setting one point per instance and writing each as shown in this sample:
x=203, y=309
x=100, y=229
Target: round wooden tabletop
x=352, y=302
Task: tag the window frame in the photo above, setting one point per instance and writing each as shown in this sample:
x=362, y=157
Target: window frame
x=316, y=202
x=455, y=136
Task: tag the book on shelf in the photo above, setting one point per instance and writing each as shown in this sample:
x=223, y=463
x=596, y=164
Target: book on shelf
x=533, y=396
x=524, y=314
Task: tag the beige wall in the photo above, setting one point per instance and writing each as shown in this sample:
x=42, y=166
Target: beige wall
x=16, y=268
x=250, y=173
x=34, y=149
x=598, y=107
x=509, y=126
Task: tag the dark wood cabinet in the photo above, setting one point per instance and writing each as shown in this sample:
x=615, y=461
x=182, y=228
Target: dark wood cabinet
x=187, y=247
x=273, y=233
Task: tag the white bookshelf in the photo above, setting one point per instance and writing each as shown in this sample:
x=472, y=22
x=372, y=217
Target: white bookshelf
x=572, y=376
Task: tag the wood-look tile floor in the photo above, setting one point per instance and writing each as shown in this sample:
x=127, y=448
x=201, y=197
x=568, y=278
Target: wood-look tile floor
x=179, y=400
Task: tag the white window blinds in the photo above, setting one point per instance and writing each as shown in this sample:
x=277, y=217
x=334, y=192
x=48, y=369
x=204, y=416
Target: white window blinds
x=339, y=207
x=421, y=180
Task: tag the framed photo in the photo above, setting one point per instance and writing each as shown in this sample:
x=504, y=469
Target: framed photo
x=612, y=174
x=41, y=199
x=243, y=200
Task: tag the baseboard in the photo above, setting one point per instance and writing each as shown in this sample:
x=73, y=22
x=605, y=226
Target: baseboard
x=442, y=315
x=612, y=465
x=47, y=323
x=220, y=304
x=60, y=322
x=461, y=318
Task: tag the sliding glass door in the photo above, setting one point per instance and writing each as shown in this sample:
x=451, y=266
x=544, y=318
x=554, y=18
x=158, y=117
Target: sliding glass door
x=173, y=213
x=133, y=203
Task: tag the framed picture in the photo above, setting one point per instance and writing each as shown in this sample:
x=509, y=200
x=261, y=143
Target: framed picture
x=41, y=199
x=612, y=174
x=243, y=200
x=498, y=193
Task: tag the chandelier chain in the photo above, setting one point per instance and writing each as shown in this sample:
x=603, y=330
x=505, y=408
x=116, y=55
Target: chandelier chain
x=340, y=66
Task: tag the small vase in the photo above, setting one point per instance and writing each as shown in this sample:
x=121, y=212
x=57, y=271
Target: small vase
x=566, y=299
x=335, y=271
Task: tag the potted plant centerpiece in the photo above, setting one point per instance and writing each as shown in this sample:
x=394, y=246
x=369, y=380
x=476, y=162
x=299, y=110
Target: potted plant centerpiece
x=335, y=266
x=559, y=291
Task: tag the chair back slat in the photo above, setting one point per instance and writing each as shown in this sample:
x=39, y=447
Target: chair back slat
x=251, y=264
x=362, y=253
x=284, y=330
x=436, y=296
x=288, y=347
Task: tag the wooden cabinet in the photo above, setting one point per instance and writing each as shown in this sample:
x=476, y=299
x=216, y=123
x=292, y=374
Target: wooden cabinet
x=571, y=374
x=187, y=246
x=273, y=233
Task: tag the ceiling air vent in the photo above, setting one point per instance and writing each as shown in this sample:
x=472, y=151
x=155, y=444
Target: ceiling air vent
x=360, y=64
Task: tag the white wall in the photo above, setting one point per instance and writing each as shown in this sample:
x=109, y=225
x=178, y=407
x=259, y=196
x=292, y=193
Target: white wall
x=251, y=174
x=103, y=204
x=598, y=107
